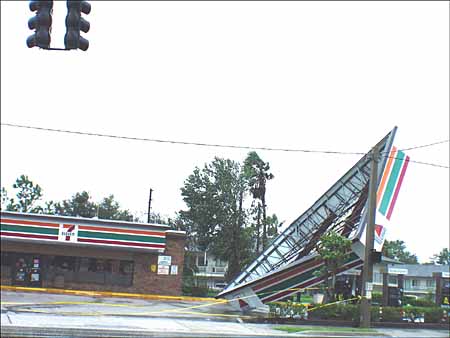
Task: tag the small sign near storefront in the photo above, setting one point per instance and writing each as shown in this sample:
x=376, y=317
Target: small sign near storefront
x=164, y=260
x=153, y=268
x=174, y=269
x=163, y=270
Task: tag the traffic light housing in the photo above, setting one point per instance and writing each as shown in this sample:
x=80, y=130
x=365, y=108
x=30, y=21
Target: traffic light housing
x=375, y=256
x=76, y=24
x=41, y=23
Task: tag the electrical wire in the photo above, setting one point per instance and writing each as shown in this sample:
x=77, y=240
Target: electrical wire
x=420, y=162
x=425, y=145
x=181, y=142
x=221, y=145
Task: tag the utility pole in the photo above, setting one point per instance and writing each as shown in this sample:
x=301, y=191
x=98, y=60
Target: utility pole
x=370, y=229
x=149, y=205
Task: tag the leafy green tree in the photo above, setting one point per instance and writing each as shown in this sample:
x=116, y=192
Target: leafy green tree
x=256, y=171
x=79, y=205
x=4, y=198
x=28, y=196
x=397, y=250
x=442, y=257
x=109, y=208
x=272, y=226
x=333, y=249
x=215, y=217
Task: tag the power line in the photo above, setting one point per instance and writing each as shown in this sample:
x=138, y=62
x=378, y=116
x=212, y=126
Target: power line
x=181, y=142
x=420, y=162
x=219, y=145
x=426, y=145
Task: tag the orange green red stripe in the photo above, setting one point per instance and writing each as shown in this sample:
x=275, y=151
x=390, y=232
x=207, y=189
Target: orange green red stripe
x=397, y=188
x=97, y=235
x=19, y=221
x=130, y=231
x=395, y=177
x=386, y=173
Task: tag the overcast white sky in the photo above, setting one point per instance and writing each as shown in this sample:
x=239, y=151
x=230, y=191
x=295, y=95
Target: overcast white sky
x=311, y=75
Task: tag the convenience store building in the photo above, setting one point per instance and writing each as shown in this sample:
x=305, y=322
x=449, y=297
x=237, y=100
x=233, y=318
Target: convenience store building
x=90, y=254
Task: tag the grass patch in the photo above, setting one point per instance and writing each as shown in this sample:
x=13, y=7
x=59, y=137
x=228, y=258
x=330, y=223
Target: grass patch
x=292, y=329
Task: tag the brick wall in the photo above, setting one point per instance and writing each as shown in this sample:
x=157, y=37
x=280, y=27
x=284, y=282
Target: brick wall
x=144, y=280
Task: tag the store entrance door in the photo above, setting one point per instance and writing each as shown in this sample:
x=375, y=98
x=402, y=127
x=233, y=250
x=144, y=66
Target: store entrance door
x=27, y=270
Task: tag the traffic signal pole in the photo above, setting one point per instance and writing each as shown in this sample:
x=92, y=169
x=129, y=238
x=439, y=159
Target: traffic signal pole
x=370, y=229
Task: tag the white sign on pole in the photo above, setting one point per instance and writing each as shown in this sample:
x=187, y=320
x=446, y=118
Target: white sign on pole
x=165, y=260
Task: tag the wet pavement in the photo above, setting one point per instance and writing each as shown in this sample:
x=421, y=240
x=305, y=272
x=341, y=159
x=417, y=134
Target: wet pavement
x=28, y=314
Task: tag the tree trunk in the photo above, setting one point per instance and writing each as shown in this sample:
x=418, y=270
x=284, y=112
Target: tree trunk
x=264, y=236
x=258, y=229
x=331, y=288
x=235, y=261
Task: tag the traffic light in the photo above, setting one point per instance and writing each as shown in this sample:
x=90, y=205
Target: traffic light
x=75, y=23
x=375, y=256
x=41, y=23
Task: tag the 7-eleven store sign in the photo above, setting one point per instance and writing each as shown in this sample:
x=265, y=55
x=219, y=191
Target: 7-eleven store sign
x=68, y=233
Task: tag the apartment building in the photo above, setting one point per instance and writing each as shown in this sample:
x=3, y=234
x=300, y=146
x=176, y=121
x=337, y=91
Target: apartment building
x=210, y=270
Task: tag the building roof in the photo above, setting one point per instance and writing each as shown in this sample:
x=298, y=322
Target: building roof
x=390, y=260
x=422, y=270
x=43, y=217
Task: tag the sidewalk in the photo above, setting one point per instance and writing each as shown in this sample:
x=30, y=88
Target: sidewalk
x=105, y=294
x=22, y=325
x=39, y=314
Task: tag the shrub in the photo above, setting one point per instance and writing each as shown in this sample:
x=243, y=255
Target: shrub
x=391, y=314
x=377, y=297
x=422, y=302
x=287, y=310
x=408, y=300
x=413, y=312
x=336, y=311
x=435, y=315
x=195, y=291
x=199, y=291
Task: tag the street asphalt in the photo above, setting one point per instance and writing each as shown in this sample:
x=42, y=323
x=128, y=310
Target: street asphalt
x=28, y=314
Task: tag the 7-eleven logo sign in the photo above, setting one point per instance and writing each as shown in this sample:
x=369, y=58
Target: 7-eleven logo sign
x=68, y=233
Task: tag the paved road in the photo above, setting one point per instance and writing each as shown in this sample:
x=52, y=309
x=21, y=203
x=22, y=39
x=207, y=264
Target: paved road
x=39, y=314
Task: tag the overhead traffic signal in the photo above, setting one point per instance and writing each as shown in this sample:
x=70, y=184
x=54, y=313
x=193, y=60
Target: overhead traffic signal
x=76, y=24
x=41, y=23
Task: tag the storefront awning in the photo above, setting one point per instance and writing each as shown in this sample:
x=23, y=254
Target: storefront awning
x=76, y=231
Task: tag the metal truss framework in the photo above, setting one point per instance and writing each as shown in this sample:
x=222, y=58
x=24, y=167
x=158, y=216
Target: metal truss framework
x=341, y=208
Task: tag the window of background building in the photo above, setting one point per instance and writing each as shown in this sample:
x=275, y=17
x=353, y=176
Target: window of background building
x=220, y=263
x=201, y=260
x=408, y=284
x=414, y=283
x=431, y=283
x=392, y=280
x=377, y=278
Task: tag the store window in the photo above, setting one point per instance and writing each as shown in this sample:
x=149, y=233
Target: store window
x=105, y=271
x=6, y=265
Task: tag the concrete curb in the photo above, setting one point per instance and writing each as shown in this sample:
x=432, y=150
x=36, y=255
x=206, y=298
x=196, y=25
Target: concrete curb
x=107, y=294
